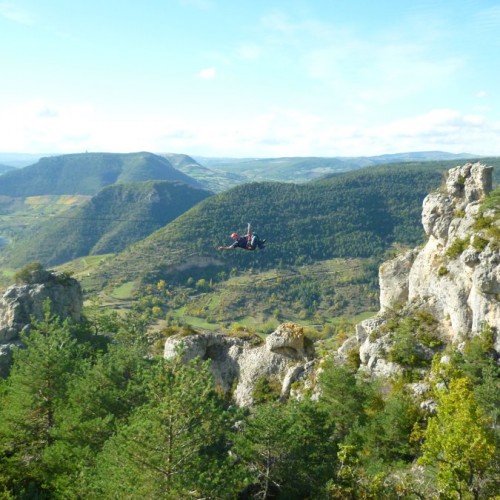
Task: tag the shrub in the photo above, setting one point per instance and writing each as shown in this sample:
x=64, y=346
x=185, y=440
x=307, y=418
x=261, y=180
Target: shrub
x=353, y=360
x=482, y=222
x=457, y=247
x=25, y=275
x=412, y=330
x=443, y=271
x=64, y=278
x=479, y=243
x=266, y=389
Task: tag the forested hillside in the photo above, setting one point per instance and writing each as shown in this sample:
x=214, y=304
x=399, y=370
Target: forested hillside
x=303, y=169
x=359, y=214
x=116, y=217
x=88, y=173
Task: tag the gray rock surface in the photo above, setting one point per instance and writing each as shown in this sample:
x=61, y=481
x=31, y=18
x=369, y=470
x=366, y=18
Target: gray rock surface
x=461, y=291
x=237, y=363
x=20, y=303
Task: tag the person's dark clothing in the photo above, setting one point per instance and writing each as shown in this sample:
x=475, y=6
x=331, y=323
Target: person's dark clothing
x=242, y=242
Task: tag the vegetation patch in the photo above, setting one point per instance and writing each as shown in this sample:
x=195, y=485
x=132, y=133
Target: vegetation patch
x=312, y=295
x=266, y=389
x=125, y=291
x=488, y=221
x=457, y=248
x=26, y=274
x=443, y=271
x=479, y=243
x=411, y=332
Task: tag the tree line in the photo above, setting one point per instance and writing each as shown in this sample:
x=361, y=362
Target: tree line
x=88, y=411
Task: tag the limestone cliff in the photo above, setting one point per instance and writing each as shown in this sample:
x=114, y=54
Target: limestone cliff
x=238, y=363
x=455, y=277
x=19, y=303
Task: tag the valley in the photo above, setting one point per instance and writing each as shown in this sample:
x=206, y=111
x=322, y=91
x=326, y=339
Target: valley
x=365, y=333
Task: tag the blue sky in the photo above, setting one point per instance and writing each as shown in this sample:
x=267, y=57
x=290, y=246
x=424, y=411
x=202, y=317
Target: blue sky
x=259, y=78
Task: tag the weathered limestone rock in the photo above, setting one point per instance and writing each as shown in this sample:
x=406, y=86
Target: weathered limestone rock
x=287, y=339
x=19, y=303
x=461, y=289
x=237, y=363
x=373, y=357
x=393, y=279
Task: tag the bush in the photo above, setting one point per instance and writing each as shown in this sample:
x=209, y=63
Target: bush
x=443, y=271
x=26, y=274
x=266, y=389
x=479, y=243
x=457, y=247
x=411, y=333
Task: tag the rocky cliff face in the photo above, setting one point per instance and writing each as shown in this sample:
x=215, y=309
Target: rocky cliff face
x=19, y=303
x=237, y=363
x=455, y=276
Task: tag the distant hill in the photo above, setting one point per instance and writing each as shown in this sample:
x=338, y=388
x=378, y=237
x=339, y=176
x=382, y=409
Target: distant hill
x=358, y=214
x=5, y=168
x=88, y=173
x=212, y=179
x=18, y=160
x=117, y=216
x=303, y=169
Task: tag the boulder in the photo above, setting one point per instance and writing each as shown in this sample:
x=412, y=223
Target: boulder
x=237, y=363
x=20, y=303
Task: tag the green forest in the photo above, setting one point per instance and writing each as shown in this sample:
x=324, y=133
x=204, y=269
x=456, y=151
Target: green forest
x=91, y=410
x=88, y=173
x=113, y=219
x=358, y=214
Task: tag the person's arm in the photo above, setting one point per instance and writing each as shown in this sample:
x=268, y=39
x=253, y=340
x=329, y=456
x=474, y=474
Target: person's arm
x=229, y=247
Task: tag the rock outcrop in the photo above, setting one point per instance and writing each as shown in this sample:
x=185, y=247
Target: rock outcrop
x=238, y=363
x=455, y=276
x=20, y=303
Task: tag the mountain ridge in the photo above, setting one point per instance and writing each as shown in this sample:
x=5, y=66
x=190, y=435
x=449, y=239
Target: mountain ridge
x=118, y=215
x=87, y=173
x=358, y=214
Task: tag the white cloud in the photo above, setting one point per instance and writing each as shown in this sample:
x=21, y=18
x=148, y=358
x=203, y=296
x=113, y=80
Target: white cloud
x=481, y=94
x=44, y=127
x=249, y=51
x=207, y=73
x=12, y=12
x=38, y=126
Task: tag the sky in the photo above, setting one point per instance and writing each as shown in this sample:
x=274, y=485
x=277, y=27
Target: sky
x=250, y=78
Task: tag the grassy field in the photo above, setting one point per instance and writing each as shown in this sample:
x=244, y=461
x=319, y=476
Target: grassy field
x=324, y=296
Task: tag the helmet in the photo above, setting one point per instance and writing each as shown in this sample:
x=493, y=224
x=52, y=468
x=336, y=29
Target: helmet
x=234, y=235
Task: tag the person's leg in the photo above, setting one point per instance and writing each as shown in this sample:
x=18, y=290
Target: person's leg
x=254, y=241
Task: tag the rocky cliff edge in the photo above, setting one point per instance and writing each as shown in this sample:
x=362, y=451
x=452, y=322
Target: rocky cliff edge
x=238, y=363
x=455, y=277
x=20, y=303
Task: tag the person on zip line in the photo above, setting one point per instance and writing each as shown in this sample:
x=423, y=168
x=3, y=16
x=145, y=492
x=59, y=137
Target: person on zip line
x=248, y=242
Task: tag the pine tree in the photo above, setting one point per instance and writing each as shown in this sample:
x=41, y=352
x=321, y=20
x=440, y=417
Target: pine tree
x=31, y=402
x=173, y=446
